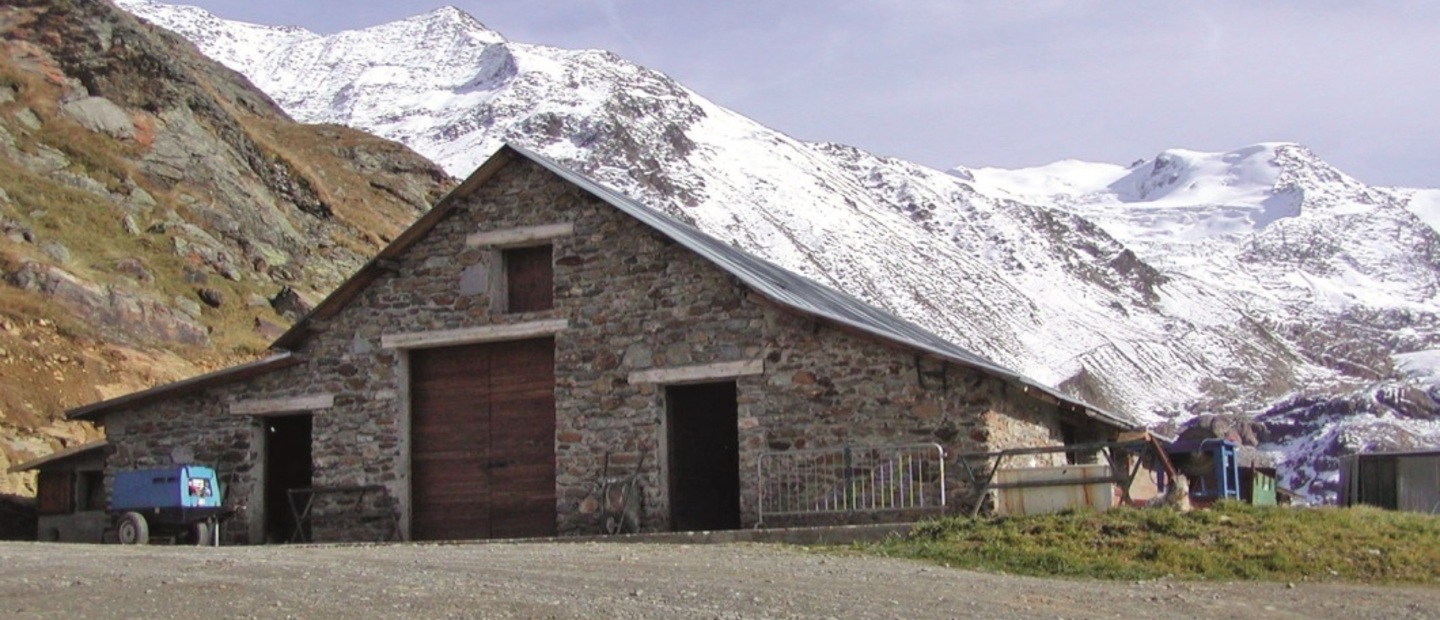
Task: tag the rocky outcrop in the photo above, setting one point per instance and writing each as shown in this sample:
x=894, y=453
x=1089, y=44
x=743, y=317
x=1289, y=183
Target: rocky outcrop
x=145, y=319
x=101, y=115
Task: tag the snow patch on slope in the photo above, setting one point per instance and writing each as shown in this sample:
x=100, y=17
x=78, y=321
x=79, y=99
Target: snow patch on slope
x=1179, y=177
x=1425, y=204
x=1419, y=364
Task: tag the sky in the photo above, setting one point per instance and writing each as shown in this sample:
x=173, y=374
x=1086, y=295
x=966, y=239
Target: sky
x=1011, y=83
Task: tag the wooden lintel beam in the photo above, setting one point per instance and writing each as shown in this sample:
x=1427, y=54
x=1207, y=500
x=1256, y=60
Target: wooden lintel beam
x=272, y=406
x=472, y=335
x=520, y=236
x=700, y=373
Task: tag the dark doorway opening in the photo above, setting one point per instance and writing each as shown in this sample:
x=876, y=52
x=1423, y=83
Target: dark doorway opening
x=287, y=466
x=704, y=456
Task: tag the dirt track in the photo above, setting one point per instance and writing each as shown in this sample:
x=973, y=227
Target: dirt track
x=611, y=580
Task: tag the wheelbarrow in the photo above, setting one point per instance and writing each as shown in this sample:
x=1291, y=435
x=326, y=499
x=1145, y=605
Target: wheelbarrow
x=620, y=499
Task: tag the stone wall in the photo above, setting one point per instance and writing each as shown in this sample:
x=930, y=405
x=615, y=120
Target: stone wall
x=193, y=428
x=635, y=300
x=199, y=426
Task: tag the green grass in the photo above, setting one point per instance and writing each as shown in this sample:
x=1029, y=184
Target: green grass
x=1229, y=542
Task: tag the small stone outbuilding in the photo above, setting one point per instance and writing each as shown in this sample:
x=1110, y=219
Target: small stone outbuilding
x=70, y=494
x=476, y=377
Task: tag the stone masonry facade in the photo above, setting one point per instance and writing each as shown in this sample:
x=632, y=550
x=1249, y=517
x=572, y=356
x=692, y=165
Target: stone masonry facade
x=634, y=300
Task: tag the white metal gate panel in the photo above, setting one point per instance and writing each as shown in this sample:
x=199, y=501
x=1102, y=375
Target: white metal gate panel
x=852, y=479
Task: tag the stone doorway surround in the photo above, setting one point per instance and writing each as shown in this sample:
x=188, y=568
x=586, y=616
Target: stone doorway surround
x=407, y=342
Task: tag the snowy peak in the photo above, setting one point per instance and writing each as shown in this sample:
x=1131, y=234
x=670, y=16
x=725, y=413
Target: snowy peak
x=1175, y=177
x=447, y=48
x=1185, y=196
x=456, y=16
x=1179, y=176
x=442, y=24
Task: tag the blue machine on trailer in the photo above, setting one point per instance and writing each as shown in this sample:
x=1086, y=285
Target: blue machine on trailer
x=180, y=501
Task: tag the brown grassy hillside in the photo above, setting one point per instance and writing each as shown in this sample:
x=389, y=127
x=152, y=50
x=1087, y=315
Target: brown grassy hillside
x=153, y=204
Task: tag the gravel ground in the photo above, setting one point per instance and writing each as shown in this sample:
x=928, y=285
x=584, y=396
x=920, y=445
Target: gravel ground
x=611, y=580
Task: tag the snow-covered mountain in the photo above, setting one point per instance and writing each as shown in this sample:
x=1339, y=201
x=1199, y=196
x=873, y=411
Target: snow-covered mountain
x=1346, y=275
x=1260, y=283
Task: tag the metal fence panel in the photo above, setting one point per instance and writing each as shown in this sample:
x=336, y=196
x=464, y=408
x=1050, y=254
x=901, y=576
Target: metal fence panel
x=852, y=479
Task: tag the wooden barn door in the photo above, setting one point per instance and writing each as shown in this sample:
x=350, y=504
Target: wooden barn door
x=483, y=441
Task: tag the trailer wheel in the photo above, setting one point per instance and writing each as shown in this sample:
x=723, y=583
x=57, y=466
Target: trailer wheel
x=200, y=534
x=133, y=529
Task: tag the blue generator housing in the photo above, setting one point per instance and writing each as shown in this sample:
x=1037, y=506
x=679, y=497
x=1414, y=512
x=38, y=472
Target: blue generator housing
x=179, y=502
x=176, y=486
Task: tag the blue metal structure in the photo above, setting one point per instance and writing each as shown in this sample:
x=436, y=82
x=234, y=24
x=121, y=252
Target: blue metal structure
x=183, y=501
x=178, y=486
x=1210, y=465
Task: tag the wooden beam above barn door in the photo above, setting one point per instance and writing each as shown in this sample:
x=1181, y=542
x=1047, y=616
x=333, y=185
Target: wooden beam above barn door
x=699, y=373
x=473, y=335
x=278, y=406
x=515, y=237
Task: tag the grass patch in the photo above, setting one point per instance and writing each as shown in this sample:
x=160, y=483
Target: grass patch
x=1231, y=541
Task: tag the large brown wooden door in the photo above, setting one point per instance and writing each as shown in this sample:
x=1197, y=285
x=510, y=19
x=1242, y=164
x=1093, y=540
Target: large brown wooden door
x=483, y=440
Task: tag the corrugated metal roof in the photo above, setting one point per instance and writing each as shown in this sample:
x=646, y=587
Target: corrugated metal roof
x=808, y=296
x=59, y=456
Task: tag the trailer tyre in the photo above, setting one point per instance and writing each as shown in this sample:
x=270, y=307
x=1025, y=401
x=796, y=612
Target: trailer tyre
x=200, y=534
x=133, y=529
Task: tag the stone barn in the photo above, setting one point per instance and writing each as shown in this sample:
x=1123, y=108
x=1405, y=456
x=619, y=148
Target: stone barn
x=535, y=331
